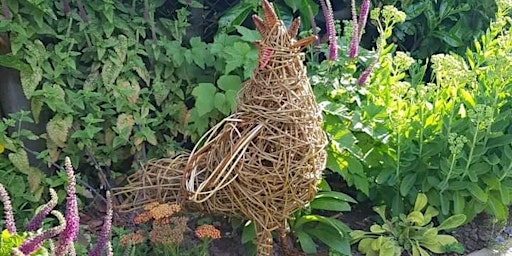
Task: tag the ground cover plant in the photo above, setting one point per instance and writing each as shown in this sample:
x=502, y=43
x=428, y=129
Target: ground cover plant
x=112, y=84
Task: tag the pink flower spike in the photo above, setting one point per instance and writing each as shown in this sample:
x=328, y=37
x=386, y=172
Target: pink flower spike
x=66, y=238
x=365, y=75
x=363, y=17
x=34, y=243
x=8, y=214
x=5, y=10
x=331, y=30
x=104, y=237
x=354, y=42
x=37, y=220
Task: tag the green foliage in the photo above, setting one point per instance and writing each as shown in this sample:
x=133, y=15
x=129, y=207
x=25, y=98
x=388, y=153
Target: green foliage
x=118, y=85
x=414, y=233
x=286, y=10
x=441, y=26
x=309, y=227
x=449, y=139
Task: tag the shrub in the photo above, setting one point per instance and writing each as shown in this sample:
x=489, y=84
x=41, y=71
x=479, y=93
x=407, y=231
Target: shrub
x=450, y=139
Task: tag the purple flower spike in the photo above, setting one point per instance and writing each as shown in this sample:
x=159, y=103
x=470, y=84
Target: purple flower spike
x=8, y=215
x=34, y=243
x=363, y=17
x=354, y=42
x=66, y=238
x=65, y=7
x=313, y=26
x=365, y=75
x=331, y=30
x=104, y=236
x=5, y=10
x=37, y=220
x=82, y=12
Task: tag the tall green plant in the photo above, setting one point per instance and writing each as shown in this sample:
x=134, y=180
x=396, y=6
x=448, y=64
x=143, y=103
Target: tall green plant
x=449, y=139
x=119, y=81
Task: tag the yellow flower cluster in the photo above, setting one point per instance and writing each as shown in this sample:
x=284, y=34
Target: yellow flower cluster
x=207, y=231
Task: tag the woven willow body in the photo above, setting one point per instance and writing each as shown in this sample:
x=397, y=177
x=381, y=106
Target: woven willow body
x=264, y=161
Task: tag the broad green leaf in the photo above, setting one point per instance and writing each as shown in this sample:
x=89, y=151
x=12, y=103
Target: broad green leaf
x=248, y=232
x=407, y=183
x=421, y=202
x=377, y=229
x=452, y=222
x=415, y=217
x=58, y=129
x=306, y=242
x=477, y=192
x=498, y=209
x=335, y=194
x=332, y=239
x=221, y=104
x=20, y=160
x=229, y=82
x=330, y=204
x=248, y=35
x=35, y=177
x=30, y=80
x=204, y=93
x=236, y=15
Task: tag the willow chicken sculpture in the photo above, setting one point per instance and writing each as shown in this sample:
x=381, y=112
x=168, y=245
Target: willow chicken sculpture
x=264, y=161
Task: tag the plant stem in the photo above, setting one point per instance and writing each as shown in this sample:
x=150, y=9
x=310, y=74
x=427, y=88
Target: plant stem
x=471, y=150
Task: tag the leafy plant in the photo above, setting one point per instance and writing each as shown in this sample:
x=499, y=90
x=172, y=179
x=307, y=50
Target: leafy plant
x=414, y=233
x=447, y=139
x=441, y=26
x=310, y=226
x=37, y=239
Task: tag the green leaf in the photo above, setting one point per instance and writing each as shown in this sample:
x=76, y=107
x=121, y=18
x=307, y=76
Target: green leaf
x=229, y=82
x=306, y=242
x=330, y=204
x=204, y=93
x=58, y=128
x=20, y=160
x=421, y=202
x=336, y=195
x=248, y=35
x=235, y=16
x=332, y=239
x=477, y=192
x=452, y=222
x=221, y=104
x=415, y=217
x=248, y=232
x=407, y=183
x=30, y=80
